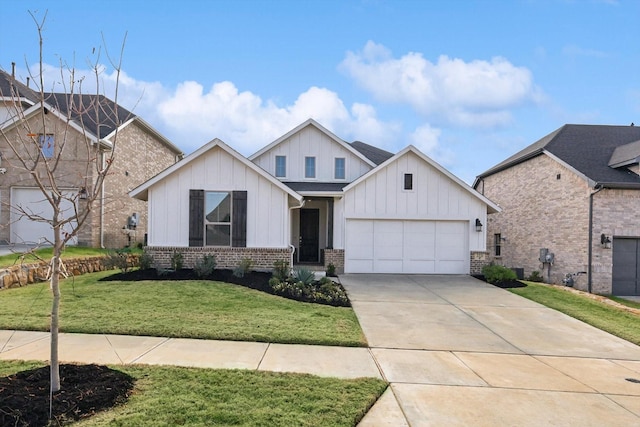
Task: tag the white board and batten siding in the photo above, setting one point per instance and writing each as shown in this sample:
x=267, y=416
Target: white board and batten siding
x=311, y=142
x=217, y=170
x=429, y=229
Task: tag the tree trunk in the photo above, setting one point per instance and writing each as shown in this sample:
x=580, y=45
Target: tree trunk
x=55, y=307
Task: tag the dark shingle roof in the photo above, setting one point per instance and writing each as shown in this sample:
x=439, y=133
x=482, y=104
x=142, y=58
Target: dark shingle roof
x=375, y=154
x=316, y=186
x=10, y=88
x=586, y=148
x=82, y=107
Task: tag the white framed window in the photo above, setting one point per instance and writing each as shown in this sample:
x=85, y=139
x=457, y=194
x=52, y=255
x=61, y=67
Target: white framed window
x=309, y=167
x=281, y=166
x=47, y=145
x=217, y=218
x=340, y=172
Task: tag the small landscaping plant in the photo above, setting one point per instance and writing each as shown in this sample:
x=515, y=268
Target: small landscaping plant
x=535, y=277
x=243, y=268
x=177, y=261
x=118, y=259
x=281, y=270
x=301, y=285
x=304, y=275
x=145, y=261
x=331, y=270
x=204, y=267
x=498, y=273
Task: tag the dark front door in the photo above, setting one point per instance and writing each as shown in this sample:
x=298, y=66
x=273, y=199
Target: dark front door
x=626, y=267
x=309, y=235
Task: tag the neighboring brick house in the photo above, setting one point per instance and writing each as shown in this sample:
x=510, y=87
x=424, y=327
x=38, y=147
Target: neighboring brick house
x=575, y=192
x=141, y=152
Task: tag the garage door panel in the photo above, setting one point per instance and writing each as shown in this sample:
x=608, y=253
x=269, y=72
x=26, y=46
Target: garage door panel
x=33, y=202
x=425, y=247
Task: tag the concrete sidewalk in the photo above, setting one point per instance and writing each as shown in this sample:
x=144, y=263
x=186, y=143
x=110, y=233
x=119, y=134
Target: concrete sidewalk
x=326, y=361
x=460, y=352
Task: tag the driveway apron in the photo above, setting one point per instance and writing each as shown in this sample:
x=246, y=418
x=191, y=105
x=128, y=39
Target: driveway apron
x=458, y=351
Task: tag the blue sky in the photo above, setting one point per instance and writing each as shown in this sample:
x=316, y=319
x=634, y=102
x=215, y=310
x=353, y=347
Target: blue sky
x=467, y=82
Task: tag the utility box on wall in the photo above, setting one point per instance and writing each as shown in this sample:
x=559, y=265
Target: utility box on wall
x=546, y=257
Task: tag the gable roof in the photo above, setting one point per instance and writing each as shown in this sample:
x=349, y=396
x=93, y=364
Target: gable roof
x=141, y=192
x=311, y=122
x=491, y=207
x=375, y=154
x=625, y=155
x=587, y=149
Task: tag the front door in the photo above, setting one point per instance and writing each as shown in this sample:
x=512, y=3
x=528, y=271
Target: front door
x=309, y=235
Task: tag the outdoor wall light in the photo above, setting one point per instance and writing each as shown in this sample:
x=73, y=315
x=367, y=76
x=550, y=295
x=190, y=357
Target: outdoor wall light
x=82, y=194
x=478, y=225
x=605, y=241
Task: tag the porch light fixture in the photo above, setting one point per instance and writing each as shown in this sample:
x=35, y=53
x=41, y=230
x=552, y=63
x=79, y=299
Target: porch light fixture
x=605, y=241
x=478, y=225
x=82, y=194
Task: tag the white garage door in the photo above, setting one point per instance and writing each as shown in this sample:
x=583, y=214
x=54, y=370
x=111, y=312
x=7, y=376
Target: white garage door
x=427, y=247
x=24, y=230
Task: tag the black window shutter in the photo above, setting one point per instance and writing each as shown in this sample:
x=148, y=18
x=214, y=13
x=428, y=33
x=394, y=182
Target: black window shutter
x=239, y=220
x=196, y=217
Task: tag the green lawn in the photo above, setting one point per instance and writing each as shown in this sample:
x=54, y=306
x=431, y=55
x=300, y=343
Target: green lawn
x=190, y=309
x=46, y=253
x=206, y=397
x=603, y=316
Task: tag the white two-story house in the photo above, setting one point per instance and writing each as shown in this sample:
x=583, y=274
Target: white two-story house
x=311, y=198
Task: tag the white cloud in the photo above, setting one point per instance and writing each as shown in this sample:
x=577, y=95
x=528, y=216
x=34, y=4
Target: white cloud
x=573, y=51
x=475, y=94
x=190, y=116
x=427, y=139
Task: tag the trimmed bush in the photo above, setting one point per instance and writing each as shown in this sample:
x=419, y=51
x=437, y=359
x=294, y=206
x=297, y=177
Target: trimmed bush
x=204, y=267
x=535, y=277
x=498, y=273
x=243, y=268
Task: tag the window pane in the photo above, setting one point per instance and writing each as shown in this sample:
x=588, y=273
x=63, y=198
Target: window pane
x=47, y=146
x=281, y=166
x=218, y=207
x=218, y=235
x=408, y=181
x=340, y=173
x=309, y=167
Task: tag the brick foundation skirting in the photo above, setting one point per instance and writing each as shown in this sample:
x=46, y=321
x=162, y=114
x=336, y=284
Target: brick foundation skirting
x=263, y=258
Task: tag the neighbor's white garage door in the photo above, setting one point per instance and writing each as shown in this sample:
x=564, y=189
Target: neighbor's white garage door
x=427, y=247
x=24, y=230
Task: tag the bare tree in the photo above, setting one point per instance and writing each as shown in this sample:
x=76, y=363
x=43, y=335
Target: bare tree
x=57, y=146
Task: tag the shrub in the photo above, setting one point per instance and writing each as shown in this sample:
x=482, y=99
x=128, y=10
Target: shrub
x=331, y=270
x=146, y=261
x=304, y=275
x=243, y=268
x=118, y=259
x=498, y=273
x=535, y=277
x=204, y=267
x=281, y=270
x=176, y=261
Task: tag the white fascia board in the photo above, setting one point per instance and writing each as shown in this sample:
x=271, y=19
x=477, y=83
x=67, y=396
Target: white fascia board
x=322, y=129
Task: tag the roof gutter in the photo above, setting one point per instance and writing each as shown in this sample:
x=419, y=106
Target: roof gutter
x=596, y=189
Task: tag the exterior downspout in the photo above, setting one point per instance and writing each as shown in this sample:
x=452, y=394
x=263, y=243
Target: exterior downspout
x=597, y=189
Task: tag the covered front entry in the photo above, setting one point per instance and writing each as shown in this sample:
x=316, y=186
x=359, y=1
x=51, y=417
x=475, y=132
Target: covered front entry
x=626, y=266
x=312, y=230
x=407, y=246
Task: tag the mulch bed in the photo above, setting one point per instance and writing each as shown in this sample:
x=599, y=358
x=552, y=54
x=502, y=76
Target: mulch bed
x=504, y=284
x=84, y=391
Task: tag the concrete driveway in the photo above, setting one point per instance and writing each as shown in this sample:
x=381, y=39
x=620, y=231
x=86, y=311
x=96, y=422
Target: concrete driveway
x=458, y=351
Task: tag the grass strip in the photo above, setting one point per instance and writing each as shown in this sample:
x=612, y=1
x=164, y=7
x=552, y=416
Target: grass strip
x=205, y=397
x=180, y=309
x=603, y=316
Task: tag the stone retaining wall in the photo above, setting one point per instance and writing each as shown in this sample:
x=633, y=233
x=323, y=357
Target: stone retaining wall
x=24, y=274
